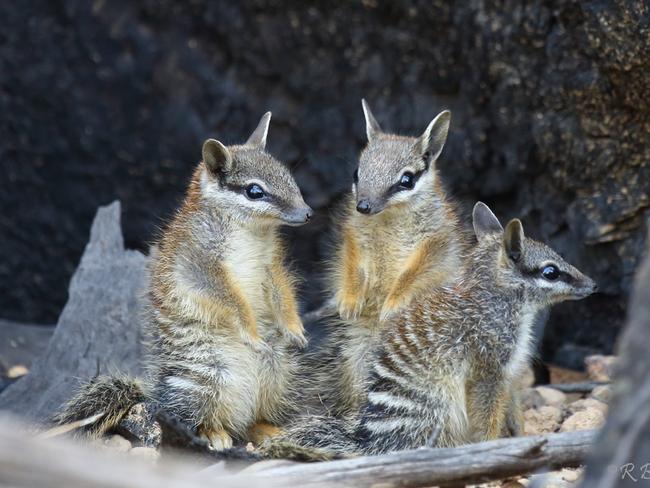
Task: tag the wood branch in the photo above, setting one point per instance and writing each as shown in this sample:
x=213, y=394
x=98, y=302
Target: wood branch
x=26, y=461
x=582, y=387
x=97, y=331
x=474, y=463
x=29, y=462
x=624, y=450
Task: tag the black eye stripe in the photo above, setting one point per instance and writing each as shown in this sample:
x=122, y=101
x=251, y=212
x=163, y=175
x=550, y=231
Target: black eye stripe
x=242, y=189
x=396, y=187
x=537, y=273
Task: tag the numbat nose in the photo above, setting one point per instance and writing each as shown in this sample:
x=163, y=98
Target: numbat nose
x=309, y=214
x=363, y=206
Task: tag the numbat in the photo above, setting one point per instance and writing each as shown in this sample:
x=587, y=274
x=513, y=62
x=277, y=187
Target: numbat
x=224, y=321
x=444, y=373
x=399, y=237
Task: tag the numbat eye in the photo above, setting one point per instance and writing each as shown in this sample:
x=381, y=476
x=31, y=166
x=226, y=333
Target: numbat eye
x=355, y=176
x=254, y=191
x=407, y=180
x=550, y=272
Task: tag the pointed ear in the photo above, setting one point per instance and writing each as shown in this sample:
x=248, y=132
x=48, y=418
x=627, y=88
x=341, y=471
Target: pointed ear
x=258, y=137
x=484, y=221
x=513, y=239
x=432, y=140
x=216, y=156
x=372, y=126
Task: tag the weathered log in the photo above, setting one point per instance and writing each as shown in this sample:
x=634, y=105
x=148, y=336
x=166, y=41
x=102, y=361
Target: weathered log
x=473, y=463
x=623, y=450
x=98, y=331
x=26, y=461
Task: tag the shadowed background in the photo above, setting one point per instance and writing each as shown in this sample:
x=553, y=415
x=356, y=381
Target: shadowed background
x=112, y=99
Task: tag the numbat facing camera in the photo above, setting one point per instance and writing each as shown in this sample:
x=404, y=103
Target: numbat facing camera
x=399, y=236
x=445, y=371
x=224, y=321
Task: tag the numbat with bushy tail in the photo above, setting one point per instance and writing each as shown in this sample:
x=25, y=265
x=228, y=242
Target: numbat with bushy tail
x=444, y=373
x=399, y=236
x=224, y=322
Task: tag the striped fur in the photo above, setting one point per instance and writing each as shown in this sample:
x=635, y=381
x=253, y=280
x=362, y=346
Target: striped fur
x=409, y=245
x=223, y=325
x=442, y=374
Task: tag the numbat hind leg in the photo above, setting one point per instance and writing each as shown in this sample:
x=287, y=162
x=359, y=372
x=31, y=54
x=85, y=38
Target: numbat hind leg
x=263, y=431
x=219, y=439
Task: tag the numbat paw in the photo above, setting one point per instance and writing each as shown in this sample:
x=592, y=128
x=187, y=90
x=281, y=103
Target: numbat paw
x=263, y=431
x=255, y=342
x=390, y=308
x=350, y=309
x=296, y=332
x=218, y=439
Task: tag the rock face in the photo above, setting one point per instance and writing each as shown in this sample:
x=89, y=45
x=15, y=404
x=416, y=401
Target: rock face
x=98, y=331
x=106, y=99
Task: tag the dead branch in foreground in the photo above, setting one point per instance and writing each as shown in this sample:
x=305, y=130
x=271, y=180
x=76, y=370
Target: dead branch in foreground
x=26, y=461
x=473, y=463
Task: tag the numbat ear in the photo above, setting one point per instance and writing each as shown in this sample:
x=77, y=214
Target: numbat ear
x=432, y=140
x=258, y=137
x=513, y=239
x=372, y=126
x=216, y=157
x=484, y=221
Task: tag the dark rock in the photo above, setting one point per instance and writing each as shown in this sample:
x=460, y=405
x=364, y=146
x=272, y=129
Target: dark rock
x=98, y=331
x=140, y=425
x=21, y=343
x=178, y=435
x=550, y=122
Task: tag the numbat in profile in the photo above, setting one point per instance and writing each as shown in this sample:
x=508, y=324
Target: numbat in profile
x=444, y=373
x=224, y=321
x=399, y=237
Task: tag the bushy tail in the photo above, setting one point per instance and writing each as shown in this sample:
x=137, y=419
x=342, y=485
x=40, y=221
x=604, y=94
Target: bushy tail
x=313, y=438
x=112, y=396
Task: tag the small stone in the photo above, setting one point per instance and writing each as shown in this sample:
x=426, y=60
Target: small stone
x=543, y=420
x=531, y=398
x=602, y=393
x=571, y=474
x=148, y=453
x=17, y=371
x=117, y=443
x=600, y=368
x=564, y=375
x=586, y=404
x=554, y=479
x=591, y=418
x=551, y=396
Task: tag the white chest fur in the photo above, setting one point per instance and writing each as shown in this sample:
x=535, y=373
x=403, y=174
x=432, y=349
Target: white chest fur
x=248, y=259
x=523, y=346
